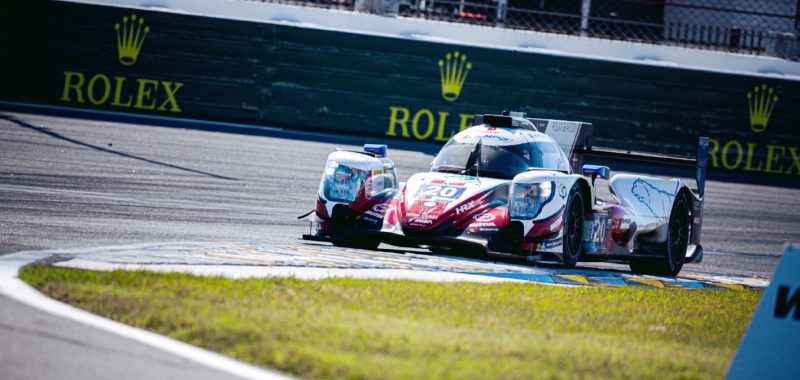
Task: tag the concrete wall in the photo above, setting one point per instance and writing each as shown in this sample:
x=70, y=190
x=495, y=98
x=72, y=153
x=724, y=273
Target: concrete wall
x=300, y=77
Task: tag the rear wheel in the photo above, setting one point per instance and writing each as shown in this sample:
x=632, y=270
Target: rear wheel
x=674, y=248
x=573, y=229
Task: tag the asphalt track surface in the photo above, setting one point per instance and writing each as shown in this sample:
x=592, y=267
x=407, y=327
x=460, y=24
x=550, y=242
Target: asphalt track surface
x=39, y=346
x=70, y=182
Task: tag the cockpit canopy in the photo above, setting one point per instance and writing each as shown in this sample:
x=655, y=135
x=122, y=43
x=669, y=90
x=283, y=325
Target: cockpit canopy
x=499, y=153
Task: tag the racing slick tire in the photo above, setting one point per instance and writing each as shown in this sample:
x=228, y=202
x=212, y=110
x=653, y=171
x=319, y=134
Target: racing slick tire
x=573, y=228
x=674, y=248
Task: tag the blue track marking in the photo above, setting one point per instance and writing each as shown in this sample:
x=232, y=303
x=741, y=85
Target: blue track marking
x=518, y=276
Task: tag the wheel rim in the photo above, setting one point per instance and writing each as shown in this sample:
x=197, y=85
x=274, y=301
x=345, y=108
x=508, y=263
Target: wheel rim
x=575, y=227
x=679, y=233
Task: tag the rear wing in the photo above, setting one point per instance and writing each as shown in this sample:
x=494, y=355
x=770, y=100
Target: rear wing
x=575, y=138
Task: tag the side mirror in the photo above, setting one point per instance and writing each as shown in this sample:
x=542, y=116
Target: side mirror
x=596, y=170
x=377, y=149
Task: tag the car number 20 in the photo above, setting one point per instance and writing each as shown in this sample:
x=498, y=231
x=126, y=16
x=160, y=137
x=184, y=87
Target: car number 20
x=438, y=191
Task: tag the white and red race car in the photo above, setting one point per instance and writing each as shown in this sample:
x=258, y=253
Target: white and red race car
x=507, y=186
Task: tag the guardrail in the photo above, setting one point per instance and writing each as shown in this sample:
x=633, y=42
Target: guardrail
x=170, y=64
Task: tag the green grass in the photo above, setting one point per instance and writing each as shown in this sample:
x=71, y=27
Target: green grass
x=346, y=328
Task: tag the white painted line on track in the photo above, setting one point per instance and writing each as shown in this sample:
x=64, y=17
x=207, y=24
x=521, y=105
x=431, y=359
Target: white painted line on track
x=11, y=286
x=305, y=273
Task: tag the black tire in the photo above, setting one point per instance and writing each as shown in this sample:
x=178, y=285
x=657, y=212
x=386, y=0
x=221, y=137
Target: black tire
x=674, y=248
x=358, y=243
x=573, y=229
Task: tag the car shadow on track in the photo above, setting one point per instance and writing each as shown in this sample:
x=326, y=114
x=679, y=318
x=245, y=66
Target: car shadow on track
x=59, y=136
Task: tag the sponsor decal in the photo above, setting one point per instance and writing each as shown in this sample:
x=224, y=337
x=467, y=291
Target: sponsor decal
x=420, y=213
x=483, y=224
x=381, y=208
x=735, y=154
x=485, y=217
x=475, y=230
x=552, y=243
x=426, y=124
x=378, y=210
x=657, y=201
x=430, y=204
x=563, y=132
x=497, y=137
x=424, y=215
x=461, y=177
x=761, y=102
x=562, y=191
x=453, y=71
x=466, y=207
x=102, y=89
x=373, y=213
x=569, y=127
x=130, y=38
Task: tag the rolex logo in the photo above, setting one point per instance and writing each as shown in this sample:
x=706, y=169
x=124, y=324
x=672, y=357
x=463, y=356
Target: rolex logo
x=130, y=37
x=761, y=103
x=453, y=70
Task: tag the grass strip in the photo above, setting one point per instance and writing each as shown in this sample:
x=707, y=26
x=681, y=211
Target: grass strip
x=349, y=328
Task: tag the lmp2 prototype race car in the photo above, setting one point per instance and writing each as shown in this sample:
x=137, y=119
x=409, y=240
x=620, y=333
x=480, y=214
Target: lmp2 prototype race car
x=508, y=186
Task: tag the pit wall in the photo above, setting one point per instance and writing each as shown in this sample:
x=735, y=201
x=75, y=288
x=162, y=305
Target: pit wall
x=299, y=76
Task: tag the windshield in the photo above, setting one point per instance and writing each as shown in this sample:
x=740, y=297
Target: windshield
x=499, y=161
x=547, y=155
x=495, y=161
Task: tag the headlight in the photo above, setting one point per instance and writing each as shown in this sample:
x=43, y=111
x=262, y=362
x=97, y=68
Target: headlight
x=527, y=199
x=342, y=183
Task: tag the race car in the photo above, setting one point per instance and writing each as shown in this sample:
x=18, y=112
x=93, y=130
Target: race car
x=512, y=185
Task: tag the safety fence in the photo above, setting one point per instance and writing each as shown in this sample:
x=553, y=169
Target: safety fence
x=179, y=65
x=744, y=26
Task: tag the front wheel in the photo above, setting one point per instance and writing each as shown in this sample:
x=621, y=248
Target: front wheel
x=573, y=229
x=674, y=248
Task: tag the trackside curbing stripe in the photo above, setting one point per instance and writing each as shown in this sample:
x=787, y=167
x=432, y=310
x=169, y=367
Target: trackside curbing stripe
x=576, y=278
x=316, y=261
x=652, y=283
x=12, y=287
x=608, y=281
